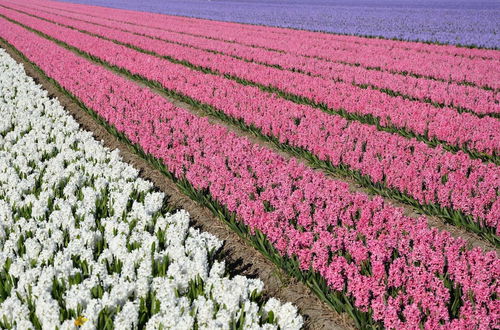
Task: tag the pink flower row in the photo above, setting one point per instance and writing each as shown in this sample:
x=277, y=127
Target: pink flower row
x=388, y=263
x=333, y=48
x=464, y=130
x=430, y=175
x=478, y=100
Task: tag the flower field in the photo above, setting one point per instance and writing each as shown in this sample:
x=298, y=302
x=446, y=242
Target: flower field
x=303, y=143
x=110, y=249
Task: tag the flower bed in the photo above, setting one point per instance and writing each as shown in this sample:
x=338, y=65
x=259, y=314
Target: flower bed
x=380, y=266
x=462, y=97
x=429, y=123
x=386, y=54
x=455, y=187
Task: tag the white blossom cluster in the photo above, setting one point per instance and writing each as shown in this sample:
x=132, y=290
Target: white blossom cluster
x=84, y=242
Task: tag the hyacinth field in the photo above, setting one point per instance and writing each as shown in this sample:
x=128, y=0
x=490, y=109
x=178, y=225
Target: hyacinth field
x=367, y=169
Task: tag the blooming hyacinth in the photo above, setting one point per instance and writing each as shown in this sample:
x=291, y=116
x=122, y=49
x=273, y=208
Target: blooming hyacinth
x=85, y=242
x=195, y=47
x=420, y=118
x=431, y=176
x=394, y=267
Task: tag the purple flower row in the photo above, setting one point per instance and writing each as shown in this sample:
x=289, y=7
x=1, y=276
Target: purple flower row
x=454, y=21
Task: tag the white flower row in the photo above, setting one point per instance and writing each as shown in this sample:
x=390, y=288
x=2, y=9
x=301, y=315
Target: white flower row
x=85, y=242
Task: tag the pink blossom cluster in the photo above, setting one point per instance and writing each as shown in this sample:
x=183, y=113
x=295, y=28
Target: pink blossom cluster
x=472, y=98
x=430, y=175
x=390, y=264
x=445, y=124
x=439, y=62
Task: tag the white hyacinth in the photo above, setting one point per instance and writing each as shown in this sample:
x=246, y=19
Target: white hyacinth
x=85, y=241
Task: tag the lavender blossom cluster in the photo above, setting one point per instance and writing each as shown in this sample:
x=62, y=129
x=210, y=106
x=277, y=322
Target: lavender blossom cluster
x=460, y=22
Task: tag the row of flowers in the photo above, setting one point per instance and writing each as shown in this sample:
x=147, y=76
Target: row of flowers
x=393, y=267
x=462, y=97
x=373, y=53
x=85, y=241
x=237, y=30
x=424, y=120
x=431, y=176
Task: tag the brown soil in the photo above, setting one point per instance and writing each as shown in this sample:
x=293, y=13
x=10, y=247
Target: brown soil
x=241, y=258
